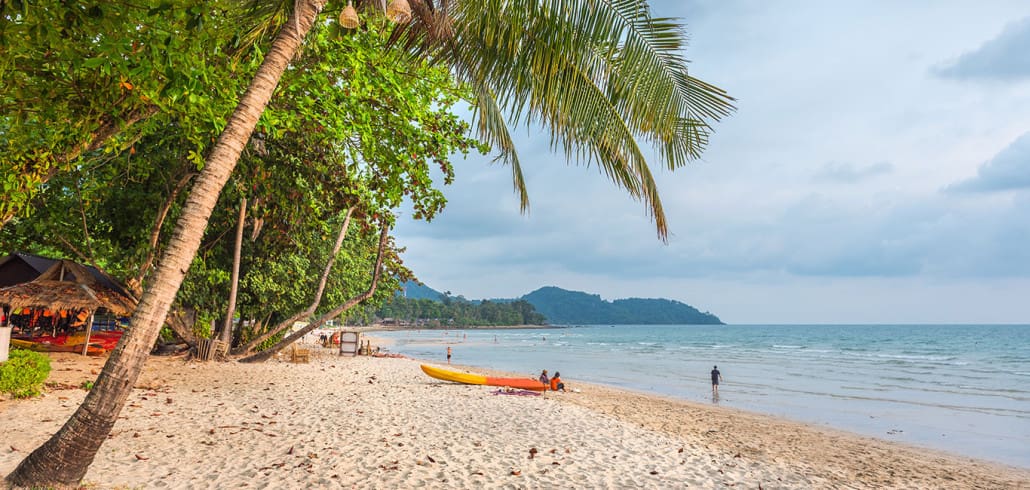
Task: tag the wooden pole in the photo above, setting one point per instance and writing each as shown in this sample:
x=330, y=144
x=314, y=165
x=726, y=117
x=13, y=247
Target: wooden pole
x=89, y=328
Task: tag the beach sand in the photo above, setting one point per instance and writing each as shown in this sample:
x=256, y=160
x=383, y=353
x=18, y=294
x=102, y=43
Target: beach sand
x=342, y=422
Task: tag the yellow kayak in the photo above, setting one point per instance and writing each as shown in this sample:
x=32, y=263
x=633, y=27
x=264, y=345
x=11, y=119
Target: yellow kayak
x=476, y=379
x=93, y=350
x=469, y=379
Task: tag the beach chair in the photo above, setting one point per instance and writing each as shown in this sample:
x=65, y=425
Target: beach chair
x=300, y=355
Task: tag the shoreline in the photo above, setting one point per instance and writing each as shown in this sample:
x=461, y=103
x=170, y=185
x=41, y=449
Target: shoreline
x=612, y=400
x=910, y=395
x=393, y=328
x=380, y=422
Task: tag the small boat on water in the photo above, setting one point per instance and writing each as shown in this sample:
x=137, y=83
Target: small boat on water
x=476, y=379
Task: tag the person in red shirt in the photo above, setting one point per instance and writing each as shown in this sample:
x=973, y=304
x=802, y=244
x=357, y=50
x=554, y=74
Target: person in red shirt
x=556, y=384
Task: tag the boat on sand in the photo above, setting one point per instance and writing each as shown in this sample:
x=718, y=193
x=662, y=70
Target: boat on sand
x=477, y=379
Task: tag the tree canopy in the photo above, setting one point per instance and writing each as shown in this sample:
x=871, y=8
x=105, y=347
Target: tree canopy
x=84, y=86
x=356, y=124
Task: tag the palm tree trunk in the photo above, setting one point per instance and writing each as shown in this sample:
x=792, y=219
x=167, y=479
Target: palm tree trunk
x=227, y=327
x=180, y=327
x=65, y=457
x=335, y=312
x=256, y=341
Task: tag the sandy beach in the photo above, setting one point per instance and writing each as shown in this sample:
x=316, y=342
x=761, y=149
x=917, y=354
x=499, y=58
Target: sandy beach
x=341, y=422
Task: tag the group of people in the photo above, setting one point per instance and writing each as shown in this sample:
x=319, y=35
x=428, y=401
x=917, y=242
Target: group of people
x=554, y=383
x=329, y=339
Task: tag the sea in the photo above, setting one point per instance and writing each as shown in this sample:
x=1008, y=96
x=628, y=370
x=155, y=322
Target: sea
x=964, y=389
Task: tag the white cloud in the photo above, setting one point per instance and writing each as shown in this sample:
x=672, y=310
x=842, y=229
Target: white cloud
x=763, y=228
x=1006, y=57
x=850, y=173
x=1008, y=170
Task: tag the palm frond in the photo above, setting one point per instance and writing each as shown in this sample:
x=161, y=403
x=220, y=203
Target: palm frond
x=493, y=130
x=599, y=74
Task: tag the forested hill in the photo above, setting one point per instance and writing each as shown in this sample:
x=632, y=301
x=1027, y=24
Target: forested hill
x=414, y=290
x=563, y=307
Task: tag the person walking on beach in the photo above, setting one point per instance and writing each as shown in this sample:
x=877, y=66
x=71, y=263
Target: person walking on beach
x=716, y=378
x=448, y=355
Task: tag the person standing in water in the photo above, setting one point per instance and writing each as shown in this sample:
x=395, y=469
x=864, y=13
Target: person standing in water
x=716, y=378
x=448, y=355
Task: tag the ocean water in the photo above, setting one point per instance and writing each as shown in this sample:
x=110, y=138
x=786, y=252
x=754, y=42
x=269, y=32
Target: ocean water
x=964, y=389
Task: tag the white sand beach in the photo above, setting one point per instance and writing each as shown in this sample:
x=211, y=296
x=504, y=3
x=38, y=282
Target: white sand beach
x=342, y=422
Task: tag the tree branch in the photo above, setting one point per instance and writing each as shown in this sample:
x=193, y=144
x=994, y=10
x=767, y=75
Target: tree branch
x=249, y=347
x=376, y=273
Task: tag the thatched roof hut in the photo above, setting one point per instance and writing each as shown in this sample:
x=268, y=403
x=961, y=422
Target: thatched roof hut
x=66, y=285
x=21, y=267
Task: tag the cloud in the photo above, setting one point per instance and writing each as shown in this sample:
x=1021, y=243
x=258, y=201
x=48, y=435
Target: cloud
x=1008, y=170
x=819, y=200
x=849, y=173
x=1006, y=57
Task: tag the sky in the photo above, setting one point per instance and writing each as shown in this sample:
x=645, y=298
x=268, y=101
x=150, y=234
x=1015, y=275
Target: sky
x=876, y=170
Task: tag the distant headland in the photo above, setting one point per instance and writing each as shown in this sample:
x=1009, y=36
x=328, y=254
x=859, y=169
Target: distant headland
x=564, y=307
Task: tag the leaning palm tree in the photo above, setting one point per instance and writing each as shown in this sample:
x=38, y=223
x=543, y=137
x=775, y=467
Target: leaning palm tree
x=600, y=74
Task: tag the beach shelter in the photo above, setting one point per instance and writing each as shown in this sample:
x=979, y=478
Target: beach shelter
x=67, y=285
x=19, y=267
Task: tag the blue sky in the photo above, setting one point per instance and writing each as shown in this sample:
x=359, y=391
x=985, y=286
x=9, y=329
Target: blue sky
x=877, y=170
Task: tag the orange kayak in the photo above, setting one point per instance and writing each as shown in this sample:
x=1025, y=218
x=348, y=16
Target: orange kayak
x=476, y=379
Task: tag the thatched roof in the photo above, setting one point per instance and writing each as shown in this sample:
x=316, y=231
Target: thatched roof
x=19, y=267
x=51, y=292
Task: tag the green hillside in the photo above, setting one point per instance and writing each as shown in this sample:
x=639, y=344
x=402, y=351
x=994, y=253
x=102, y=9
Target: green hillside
x=414, y=290
x=563, y=307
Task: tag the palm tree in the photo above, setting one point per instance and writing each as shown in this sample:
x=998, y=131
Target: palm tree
x=65, y=457
x=600, y=74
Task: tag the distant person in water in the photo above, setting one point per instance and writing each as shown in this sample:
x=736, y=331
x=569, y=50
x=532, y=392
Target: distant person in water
x=448, y=355
x=544, y=380
x=556, y=384
x=716, y=378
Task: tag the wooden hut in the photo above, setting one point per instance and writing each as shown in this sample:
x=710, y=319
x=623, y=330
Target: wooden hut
x=67, y=286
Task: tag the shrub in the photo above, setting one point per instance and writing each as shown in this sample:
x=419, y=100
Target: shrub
x=24, y=373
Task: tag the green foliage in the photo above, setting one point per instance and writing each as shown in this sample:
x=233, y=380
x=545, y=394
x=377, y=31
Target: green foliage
x=81, y=81
x=24, y=373
x=461, y=312
x=353, y=124
x=269, y=342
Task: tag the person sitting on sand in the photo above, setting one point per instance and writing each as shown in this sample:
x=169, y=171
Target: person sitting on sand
x=556, y=384
x=544, y=380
